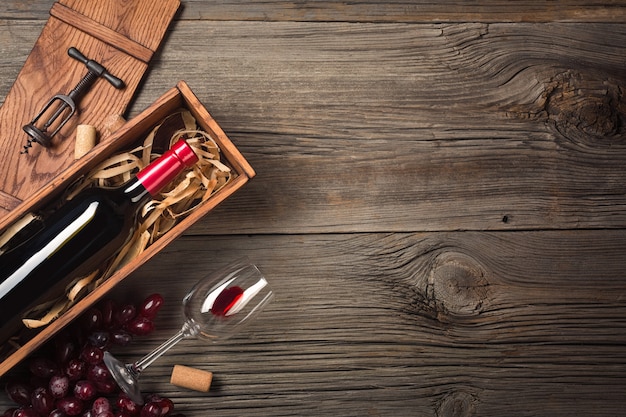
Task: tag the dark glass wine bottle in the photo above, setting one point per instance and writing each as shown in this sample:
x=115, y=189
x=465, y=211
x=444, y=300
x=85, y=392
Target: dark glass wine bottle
x=79, y=237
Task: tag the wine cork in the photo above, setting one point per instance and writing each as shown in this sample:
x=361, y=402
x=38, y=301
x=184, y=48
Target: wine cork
x=113, y=122
x=85, y=140
x=191, y=378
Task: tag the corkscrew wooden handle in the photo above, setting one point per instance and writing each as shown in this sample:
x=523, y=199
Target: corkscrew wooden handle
x=96, y=67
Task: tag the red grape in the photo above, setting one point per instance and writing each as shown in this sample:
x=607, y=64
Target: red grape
x=85, y=390
x=19, y=392
x=120, y=337
x=150, y=409
x=99, y=339
x=65, y=350
x=151, y=306
x=42, y=401
x=59, y=386
x=98, y=373
x=43, y=367
x=106, y=387
x=125, y=314
x=71, y=406
x=92, y=354
x=76, y=369
x=166, y=405
x=108, y=310
x=69, y=384
x=92, y=319
x=127, y=405
x=140, y=326
x=25, y=412
x=101, y=405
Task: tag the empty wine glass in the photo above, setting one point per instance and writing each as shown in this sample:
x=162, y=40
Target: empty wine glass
x=215, y=308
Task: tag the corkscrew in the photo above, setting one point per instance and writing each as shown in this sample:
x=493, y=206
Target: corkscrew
x=61, y=103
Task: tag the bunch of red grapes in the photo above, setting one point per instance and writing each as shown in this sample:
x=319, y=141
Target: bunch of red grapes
x=70, y=378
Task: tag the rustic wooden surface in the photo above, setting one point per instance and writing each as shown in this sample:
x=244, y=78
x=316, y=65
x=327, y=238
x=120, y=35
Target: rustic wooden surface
x=440, y=204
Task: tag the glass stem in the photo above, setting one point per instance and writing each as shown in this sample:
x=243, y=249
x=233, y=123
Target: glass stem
x=147, y=360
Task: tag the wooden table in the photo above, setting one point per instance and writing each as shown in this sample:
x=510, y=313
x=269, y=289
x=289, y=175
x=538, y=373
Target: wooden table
x=440, y=204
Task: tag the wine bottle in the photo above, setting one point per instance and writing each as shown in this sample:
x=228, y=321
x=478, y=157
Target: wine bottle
x=79, y=237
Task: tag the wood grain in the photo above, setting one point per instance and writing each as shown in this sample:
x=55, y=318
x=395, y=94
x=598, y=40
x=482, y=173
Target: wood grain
x=386, y=323
x=468, y=124
x=407, y=11
x=138, y=20
x=444, y=127
x=439, y=204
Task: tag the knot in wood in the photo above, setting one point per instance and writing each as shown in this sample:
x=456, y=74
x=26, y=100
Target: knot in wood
x=585, y=109
x=457, y=404
x=458, y=285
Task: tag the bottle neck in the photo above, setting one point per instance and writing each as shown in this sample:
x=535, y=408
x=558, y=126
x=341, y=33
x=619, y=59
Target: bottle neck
x=162, y=171
x=135, y=193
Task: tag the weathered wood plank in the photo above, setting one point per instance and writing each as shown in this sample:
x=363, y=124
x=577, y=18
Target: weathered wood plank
x=509, y=323
x=444, y=127
x=408, y=11
x=424, y=127
x=16, y=41
x=383, y=127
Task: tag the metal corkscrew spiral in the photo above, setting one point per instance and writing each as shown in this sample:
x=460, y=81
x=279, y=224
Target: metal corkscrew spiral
x=37, y=132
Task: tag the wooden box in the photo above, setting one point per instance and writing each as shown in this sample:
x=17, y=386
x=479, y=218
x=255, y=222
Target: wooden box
x=131, y=134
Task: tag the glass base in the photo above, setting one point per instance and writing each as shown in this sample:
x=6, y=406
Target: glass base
x=125, y=377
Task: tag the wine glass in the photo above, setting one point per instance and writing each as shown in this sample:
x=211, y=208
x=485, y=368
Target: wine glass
x=216, y=307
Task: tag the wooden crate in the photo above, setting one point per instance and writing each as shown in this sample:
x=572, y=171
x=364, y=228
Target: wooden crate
x=131, y=134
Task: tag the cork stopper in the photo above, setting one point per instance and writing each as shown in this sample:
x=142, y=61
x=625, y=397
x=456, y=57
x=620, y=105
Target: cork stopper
x=113, y=123
x=85, y=140
x=191, y=378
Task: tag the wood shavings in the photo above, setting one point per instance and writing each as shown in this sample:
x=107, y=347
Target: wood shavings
x=15, y=229
x=158, y=216
x=49, y=311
